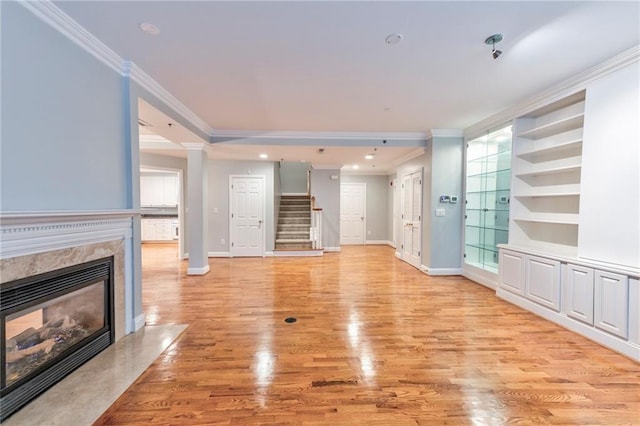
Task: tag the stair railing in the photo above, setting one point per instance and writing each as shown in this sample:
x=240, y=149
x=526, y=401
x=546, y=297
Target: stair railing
x=315, y=232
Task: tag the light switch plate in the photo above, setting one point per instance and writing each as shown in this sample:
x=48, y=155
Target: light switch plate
x=440, y=212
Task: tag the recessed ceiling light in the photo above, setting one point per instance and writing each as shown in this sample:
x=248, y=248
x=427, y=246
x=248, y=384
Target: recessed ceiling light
x=149, y=28
x=264, y=156
x=368, y=157
x=356, y=167
x=393, y=38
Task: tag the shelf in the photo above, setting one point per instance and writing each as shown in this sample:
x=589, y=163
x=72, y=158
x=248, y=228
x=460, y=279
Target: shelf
x=490, y=227
x=557, y=150
x=549, y=221
x=552, y=171
x=488, y=191
x=570, y=123
x=487, y=210
x=492, y=248
x=559, y=194
x=483, y=174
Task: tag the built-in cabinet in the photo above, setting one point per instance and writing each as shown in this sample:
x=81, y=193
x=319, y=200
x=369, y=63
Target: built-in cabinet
x=546, y=176
x=573, y=252
x=590, y=299
x=159, y=190
x=159, y=229
x=488, y=176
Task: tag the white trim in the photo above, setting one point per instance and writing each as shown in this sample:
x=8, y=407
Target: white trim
x=615, y=343
x=198, y=271
x=410, y=156
x=447, y=133
x=479, y=279
x=378, y=242
x=557, y=92
x=195, y=146
x=294, y=194
x=53, y=16
x=398, y=255
x=317, y=135
x=145, y=81
x=31, y=236
x=332, y=249
x=218, y=254
x=7, y=218
x=296, y=253
x=441, y=271
x=139, y=322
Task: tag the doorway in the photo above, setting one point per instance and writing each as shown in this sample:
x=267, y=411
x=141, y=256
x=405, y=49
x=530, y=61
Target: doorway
x=352, y=213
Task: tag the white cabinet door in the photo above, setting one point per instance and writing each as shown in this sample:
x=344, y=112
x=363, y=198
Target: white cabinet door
x=543, y=281
x=170, y=190
x=512, y=274
x=578, y=293
x=611, y=303
x=146, y=190
x=148, y=230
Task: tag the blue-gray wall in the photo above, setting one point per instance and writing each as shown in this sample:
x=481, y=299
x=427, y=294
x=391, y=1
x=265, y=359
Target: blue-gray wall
x=64, y=141
x=445, y=239
x=327, y=193
x=377, y=208
x=293, y=177
x=218, y=211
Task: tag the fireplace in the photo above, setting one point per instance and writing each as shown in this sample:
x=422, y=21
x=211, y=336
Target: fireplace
x=50, y=324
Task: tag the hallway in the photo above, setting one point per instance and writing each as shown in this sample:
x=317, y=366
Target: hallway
x=375, y=342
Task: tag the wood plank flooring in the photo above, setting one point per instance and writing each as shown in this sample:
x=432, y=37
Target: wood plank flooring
x=376, y=342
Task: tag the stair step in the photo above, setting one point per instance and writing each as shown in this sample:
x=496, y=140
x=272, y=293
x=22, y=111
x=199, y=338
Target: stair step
x=293, y=246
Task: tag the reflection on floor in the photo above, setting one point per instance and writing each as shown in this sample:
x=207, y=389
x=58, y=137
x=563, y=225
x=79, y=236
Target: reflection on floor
x=98, y=383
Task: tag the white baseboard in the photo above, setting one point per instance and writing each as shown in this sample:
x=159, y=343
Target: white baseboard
x=379, y=243
x=218, y=254
x=612, y=342
x=441, y=271
x=332, y=249
x=482, y=280
x=198, y=271
x=138, y=322
x=295, y=194
x=398, y=255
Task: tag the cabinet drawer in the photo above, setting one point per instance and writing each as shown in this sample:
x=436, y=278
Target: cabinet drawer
x=543, y=281
x=578, y=293
x=612, y=303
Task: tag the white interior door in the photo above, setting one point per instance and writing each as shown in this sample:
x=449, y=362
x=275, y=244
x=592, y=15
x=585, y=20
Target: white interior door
x=412, y=218
x=352, y=216
x=247, y=216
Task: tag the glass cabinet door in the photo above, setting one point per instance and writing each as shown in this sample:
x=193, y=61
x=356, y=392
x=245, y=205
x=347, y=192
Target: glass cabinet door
x=488, y=178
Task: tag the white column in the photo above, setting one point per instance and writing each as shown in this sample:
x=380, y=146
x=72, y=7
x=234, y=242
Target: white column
x=197, y=208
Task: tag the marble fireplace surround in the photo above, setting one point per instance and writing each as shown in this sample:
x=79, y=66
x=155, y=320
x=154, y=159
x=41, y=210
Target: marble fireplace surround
x=34, y=243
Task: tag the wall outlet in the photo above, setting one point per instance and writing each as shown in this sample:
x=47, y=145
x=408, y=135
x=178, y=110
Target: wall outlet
x=368, y=232
x=440, y=212
x=222, y=241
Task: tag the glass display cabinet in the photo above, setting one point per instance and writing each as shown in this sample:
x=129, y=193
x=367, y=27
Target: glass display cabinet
x=488, y=178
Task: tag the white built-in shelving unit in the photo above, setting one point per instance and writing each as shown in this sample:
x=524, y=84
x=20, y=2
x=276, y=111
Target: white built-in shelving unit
x=546, y=166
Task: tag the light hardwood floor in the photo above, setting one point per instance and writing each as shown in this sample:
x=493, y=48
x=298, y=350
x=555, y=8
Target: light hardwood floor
x=376, y=343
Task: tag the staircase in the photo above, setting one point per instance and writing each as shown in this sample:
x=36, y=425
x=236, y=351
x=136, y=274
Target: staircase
x=294, y=222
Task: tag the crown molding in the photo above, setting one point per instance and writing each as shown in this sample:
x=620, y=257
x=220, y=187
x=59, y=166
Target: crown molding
x=143, y=79
x=53, y=16
x=194, y=146
x=410, y=156
x=65, y=25
x=326, y=166
x=447, y=133
x=317, y=135
x=572, y=85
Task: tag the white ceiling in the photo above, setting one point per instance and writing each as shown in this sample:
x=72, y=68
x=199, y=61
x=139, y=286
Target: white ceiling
x=325, y=67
